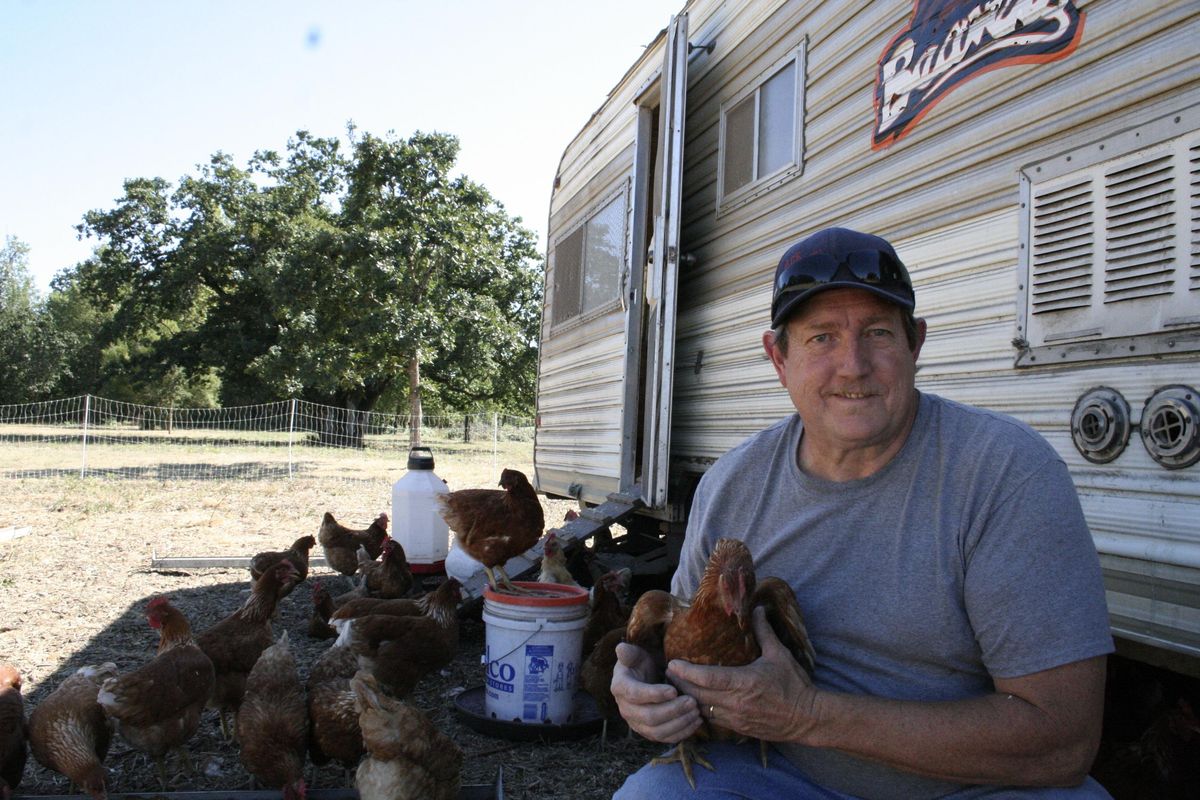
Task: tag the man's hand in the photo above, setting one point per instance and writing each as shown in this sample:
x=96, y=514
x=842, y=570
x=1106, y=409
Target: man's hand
x=655, y=710
x=771, y=698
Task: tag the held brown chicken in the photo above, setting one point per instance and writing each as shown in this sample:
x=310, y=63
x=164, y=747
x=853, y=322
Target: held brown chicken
x=341, y=543
x=318, y=621
x=399, y=651
x=272, y=723
x=333, y=732
x=236, y=642
x=297, y=554
x=493, y=525
x=716, y=628
x=13, y=750
x=389, y=577
x=157, y=706
x=408, y=758
x=69, y=732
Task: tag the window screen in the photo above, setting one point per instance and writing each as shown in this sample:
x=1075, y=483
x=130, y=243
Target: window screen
x=603, y=255
x=568, y=263
x=588, y=262
x=739, y=145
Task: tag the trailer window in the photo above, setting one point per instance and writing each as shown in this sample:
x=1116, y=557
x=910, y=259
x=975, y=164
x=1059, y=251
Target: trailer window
x=761, y=133
x=588, y=262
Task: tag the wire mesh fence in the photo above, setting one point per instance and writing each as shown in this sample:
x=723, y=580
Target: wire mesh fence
x=95, y=436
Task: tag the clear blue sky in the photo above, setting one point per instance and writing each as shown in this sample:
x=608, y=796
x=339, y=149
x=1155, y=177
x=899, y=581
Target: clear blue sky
x=97, y=91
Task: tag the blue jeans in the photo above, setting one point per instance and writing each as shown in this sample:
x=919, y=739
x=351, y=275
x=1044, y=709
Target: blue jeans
x=740, y=775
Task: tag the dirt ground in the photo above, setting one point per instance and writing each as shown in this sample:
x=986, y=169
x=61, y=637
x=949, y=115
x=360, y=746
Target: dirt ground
x=74, y=589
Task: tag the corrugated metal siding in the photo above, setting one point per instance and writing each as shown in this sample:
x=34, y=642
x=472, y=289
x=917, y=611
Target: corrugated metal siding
x=581, y=368
x=947, y=195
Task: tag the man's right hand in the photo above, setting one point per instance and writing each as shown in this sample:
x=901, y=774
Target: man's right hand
x=655, y=710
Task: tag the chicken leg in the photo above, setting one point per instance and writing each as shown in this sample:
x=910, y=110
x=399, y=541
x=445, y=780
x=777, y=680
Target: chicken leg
x=686, y=753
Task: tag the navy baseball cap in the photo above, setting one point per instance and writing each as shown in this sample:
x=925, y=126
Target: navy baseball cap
x=839, y=258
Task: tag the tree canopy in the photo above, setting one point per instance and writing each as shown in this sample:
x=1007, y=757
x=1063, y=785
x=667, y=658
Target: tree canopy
x=349, y=276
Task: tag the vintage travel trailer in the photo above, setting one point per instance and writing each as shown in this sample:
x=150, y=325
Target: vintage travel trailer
x=1035, y=162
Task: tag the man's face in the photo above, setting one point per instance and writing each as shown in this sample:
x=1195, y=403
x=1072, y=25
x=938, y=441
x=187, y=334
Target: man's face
x=849, y=371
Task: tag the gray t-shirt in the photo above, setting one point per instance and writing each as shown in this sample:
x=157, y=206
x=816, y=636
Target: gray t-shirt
x=967, y=556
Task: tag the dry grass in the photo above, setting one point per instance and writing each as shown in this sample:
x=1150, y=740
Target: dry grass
x=73, y=591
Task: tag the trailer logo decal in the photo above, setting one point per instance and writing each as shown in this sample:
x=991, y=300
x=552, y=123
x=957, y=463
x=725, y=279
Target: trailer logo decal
x=948, y=42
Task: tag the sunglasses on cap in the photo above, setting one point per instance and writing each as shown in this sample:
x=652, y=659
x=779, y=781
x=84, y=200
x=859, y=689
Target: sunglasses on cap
x=872, y=267
x=875, y=270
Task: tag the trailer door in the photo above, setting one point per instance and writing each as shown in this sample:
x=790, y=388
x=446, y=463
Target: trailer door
x=650, y=312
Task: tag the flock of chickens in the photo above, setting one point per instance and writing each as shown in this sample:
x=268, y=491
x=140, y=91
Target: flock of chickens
x=351, y=710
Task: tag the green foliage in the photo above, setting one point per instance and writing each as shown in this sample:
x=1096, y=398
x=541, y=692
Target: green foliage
x=31, y=352
x=339, y=278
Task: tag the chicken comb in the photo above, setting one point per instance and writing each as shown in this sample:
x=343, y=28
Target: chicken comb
x=157, y=604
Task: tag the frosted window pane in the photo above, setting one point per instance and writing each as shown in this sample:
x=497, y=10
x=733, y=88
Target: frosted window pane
x=739, y=145
x=777, y=121
x=604, y=254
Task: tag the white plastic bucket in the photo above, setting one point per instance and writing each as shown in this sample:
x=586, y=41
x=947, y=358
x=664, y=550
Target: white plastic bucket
x=532, y=652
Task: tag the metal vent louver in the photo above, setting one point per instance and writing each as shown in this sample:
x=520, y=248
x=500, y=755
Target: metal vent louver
x=1062, y=248
x=1194, y=248
x=1139, y=210
x=1110, y=246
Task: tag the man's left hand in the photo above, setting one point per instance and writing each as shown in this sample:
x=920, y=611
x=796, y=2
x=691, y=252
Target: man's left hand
x=772, y=698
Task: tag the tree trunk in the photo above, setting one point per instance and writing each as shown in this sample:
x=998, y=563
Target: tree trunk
x=414, y=401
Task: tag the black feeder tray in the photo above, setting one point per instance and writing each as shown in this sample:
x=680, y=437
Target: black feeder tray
x=472, y=710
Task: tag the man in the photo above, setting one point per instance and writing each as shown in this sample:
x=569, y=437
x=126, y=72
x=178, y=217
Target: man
x=948, y=580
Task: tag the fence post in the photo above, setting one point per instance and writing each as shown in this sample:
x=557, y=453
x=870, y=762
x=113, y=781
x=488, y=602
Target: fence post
x=495, y=438
x=291, y=433
x=87, y=405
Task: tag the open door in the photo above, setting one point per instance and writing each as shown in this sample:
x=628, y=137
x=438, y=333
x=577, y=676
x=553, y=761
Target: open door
x=651, y=293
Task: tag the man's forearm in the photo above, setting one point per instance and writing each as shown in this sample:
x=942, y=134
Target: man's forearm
x=1039, y=730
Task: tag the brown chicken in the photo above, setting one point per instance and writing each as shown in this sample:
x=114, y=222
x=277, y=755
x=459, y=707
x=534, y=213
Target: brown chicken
x=554, y=563
x=390, y=576
x=333, y=733
x=157, y=706
x=607, y=611
x=341, y=543
x=297, y=554
x=236, y=642
x=13, y=751
x=399, y=651
x=716, y=628
x=493, y=525
x=407, y=757
x=595, y=677
x=394, y=607
x=318, y=622
x=333, y=719
x=272, y=723
x=69, y=733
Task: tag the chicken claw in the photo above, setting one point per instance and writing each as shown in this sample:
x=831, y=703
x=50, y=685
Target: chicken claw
x=686, y=753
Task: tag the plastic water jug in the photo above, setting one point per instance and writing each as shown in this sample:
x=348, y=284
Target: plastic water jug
x=416, y=523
